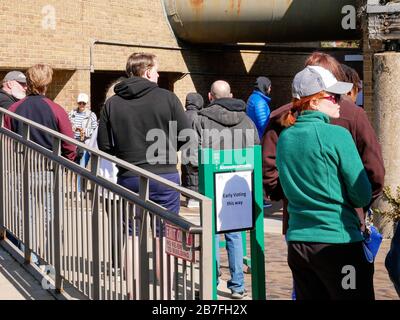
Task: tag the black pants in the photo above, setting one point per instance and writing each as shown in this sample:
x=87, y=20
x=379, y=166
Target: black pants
x=190, y=177
x=331, y=271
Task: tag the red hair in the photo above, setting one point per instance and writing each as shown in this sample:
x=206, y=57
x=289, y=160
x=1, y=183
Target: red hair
x=328, y=62
x=299, y=105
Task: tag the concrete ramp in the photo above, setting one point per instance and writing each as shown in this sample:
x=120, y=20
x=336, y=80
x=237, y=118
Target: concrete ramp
x=16, y=283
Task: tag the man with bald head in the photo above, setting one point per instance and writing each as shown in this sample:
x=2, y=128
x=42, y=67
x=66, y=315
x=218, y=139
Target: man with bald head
x=220, y=89
x=227, y=116
x=225, y=125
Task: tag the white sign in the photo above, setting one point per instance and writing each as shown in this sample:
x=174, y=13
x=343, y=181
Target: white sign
x=174, y=243
x=233, y=201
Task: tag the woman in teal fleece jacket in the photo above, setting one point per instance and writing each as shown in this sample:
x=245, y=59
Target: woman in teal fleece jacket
x=323, y=178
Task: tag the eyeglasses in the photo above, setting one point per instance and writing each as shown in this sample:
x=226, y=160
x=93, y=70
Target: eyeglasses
x=82, y=103
x=333, y=98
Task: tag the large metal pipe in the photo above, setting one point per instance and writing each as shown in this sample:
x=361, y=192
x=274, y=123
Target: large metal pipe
x=232, y=21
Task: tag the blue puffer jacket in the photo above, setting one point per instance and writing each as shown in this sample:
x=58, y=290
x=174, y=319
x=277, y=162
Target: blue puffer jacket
x=258, y=110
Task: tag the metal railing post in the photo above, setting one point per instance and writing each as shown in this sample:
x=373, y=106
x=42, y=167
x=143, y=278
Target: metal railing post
x=2, y=175
x=58, y=212
x=94, y=161
x=26, y=195
x=207, y=261
x=144, y=292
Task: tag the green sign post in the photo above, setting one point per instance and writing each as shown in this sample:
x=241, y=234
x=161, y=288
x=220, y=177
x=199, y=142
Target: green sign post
x=237, y=165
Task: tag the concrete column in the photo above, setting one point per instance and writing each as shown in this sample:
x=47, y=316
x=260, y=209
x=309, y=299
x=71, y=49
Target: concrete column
x=386, y=115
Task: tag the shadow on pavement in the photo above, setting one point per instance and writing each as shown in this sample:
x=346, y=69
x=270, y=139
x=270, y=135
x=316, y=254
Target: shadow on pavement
x=16, y=283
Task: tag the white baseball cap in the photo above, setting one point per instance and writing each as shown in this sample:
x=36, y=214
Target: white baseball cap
x=83, y=97
x=314, y=79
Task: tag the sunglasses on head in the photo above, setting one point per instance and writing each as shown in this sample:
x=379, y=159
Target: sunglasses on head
x=334, y=98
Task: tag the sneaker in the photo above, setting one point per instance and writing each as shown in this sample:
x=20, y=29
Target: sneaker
x=193, y=203
x=239, y=295
x=267, y=204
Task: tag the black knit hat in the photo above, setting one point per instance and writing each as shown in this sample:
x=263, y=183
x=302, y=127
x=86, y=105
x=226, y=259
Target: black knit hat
x=194, y=99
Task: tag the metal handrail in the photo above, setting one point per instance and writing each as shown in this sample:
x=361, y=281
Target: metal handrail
x=141, y=200
x=121, y=163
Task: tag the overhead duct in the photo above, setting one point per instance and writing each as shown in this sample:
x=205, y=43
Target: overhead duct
x=232, y=21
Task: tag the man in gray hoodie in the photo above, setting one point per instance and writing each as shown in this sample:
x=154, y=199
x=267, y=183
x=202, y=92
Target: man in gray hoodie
x=228, y=115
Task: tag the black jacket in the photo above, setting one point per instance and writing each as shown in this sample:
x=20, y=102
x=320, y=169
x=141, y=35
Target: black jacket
x=230, y=114
x=127, y=118
x=192, y=114
x=6, y=100
x=194, y=103
x=190, y=173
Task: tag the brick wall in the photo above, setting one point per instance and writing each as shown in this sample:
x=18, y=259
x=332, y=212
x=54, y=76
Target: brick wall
x=60, y=33
x=370, y=47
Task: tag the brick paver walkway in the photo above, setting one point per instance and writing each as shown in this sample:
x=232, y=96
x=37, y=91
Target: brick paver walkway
x=278, y=274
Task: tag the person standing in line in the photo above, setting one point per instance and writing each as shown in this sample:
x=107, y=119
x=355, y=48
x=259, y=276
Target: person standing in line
x=109, y=171
x=227, y=116
x=137, y=107
x=84, y=123
x=352, y=77
x=190, y=173
x=324, y=179
x=13, y=89
x=353, y=118
x=258, y=109
x=40, y=109
x=258, y=105
x=37, y=107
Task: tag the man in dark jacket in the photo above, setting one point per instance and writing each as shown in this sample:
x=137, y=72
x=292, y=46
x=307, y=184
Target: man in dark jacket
x=190, y=174
x=228, y=114
x=13, y=89
x=128, y=120
x=351, y=117
x=38, y=108
x=194, y=103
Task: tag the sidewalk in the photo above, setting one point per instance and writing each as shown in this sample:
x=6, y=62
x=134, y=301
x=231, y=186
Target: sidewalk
x=16, y=283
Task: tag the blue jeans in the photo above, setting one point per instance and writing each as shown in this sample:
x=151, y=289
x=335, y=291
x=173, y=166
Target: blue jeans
x=392, y=261
x=83, y=162
x=164, y=196
x=234, y=247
